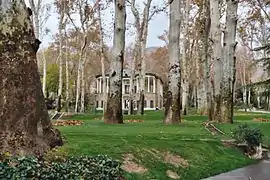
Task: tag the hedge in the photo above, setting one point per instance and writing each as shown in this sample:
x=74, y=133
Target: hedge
x=83, y=167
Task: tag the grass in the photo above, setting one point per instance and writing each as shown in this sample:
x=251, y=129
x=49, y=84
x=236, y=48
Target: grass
x=205, y=158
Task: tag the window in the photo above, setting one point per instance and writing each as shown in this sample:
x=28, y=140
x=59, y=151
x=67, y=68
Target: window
x=146, y=84
x=151, y=84
x=126, y=89
x=145, y=103
x=151, y=104
x=101, y=104
x=96, y=104
x=135, y=89
x=126, y=104
x=102, y=90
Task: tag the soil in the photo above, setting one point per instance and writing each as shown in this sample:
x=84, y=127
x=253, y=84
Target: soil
x=175, y=160
x=261, y=120
x=134, y=120
x=67, y=123
x=172, y=174
x=129, y=165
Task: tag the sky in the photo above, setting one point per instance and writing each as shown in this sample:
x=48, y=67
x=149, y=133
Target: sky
x=156, y=26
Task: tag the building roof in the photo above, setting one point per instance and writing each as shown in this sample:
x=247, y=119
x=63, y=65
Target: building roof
x=127, y=74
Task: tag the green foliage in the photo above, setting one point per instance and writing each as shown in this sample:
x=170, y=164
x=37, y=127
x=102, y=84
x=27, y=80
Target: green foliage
x=83, y=167
x=52, y=78
x=246, y=134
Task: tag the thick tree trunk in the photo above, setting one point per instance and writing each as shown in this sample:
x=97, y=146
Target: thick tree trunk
x=25, y=127
x=172, y=105
x=206, y=59
x=185, y=82
x=113, y=114
x=229, y=58
x=132, y=76
x=216, y=56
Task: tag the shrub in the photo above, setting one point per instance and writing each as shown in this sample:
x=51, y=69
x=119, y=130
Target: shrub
x=83, y=167
x=246, y=134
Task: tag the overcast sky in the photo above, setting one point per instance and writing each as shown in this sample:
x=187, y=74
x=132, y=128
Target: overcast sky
x=156, y=26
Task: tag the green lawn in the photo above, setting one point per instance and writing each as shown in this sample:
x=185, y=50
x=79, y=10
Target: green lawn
x=205, y=158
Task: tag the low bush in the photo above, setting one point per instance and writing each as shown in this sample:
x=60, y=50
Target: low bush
x=84, y=167
x=246, y=134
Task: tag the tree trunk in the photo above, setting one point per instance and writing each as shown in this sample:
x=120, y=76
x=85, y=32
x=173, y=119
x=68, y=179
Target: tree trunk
x=229, y=58
x=80, y=68
x=113, y=114
x=245, y=97
x=132, y=90
x=205, y=58
x=25, y=127
x=216, y=56
x=185, y=82
x=249, y=96
x=67, y=77
x=143, y=42
x=102, y=59
x=172, y=105
x=258, y=100
x=136, y=56
x=44, y=74
x=60, y=85
x=82, y=108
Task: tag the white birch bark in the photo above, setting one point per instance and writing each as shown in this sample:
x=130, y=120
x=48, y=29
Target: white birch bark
x=67, y=77
x=102, y=60
x=172, y=105
x=80, y=68
x=144, y=30
x=217, y=54
x=136, y=54
x=44, y=74
x=36, y=7
x=206, y=61
x=61, y=38
x=82, y=107
x=185, y=82
x=113, y=114
x=229, y=58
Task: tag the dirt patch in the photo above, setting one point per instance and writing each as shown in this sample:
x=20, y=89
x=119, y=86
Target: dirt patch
x=228, y=144
x=67, y=123
x=154, y=153
x=261, y=120
x=134, y=120
x=168, y=157
x=175, y=160
x=129, y=165
x=172, y=174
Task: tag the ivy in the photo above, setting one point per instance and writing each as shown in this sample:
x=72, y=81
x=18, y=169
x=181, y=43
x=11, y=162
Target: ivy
x=83, y=167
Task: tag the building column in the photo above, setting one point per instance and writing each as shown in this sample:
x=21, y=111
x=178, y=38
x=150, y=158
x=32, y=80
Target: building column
x=148, y=83
x=100, y=86
x=107, y=86
x=154, y=85
x=137, y=81
x=97, y=85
